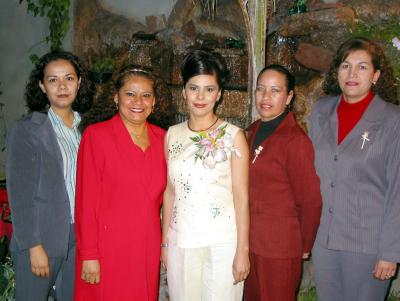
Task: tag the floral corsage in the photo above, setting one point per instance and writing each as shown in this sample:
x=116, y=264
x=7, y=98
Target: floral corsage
x=214, y=146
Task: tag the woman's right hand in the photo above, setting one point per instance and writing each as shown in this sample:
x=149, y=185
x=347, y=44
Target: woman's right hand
x=164, y=257
x=90, y=271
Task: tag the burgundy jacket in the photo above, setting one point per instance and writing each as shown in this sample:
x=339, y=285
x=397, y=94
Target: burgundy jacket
x=284, y=191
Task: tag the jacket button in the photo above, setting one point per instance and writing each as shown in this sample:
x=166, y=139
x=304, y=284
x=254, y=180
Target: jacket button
x=332, y=184
x=330, y=210
x=335, y=158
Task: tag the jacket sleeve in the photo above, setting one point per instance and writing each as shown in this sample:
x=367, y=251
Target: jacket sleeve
x=305, y=187
x=313, y=119
x=389, y=245
x=87, y=199
x=22, y=173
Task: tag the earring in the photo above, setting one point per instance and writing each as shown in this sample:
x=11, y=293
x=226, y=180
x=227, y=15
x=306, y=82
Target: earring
x=152, y=108
x=116, y=106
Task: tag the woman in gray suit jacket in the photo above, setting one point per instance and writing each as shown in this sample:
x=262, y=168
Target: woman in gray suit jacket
x=40, y=170
x=355, y=133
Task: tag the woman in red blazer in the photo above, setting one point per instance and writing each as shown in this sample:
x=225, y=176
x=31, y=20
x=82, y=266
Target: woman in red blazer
x=285, y=200
x=121, y=176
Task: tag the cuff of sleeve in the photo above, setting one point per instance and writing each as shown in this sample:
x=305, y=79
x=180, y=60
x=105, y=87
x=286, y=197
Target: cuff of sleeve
x=25, y=244
x=307, y=247
x=88, y=254
x=390, y=257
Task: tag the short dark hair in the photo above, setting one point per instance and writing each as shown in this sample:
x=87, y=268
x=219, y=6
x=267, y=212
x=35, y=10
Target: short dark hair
x=290, y=79
x=386, y=84
x=104, y=108
x=200, y=61
x=128, y=71
x=36, y=99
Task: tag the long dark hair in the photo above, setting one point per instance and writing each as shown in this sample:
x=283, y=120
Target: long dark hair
x=386, y=84
x=36, y=100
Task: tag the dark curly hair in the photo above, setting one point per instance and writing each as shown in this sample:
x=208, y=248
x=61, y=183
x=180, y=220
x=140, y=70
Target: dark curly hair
x=386, y=84
x=36, y=100
x=104, y=108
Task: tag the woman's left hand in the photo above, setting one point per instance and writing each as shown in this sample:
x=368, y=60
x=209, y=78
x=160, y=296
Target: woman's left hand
x=241, y=266
x=384, y=270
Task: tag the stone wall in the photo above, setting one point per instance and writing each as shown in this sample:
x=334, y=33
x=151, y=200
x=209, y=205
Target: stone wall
x=306, y=42
x=161, y=45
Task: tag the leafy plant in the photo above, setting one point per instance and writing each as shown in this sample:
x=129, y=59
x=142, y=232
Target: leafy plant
x=384, y=33
x=104, y=58
x=393, y=296
x=57, y=11
x=103, y=65
x=309, y=294
x=7, y=281
x=300, y=6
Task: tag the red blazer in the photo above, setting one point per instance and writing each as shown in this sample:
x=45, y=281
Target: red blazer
x=285, y=198
x=119, y=191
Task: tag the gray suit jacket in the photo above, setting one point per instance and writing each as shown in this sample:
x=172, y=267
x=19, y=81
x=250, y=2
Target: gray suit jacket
x=40, y=209
x=360, y=184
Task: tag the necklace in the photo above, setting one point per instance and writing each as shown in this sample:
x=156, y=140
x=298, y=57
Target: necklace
x=204, y=129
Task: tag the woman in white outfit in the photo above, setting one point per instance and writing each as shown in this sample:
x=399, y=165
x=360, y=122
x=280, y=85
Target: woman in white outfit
x=205, y=212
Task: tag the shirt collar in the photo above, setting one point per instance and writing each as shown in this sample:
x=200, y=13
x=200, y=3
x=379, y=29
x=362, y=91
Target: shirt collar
x=55, y=119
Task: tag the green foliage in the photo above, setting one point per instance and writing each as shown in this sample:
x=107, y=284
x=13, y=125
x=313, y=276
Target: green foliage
x=311, y=295
x=104, y=65
x=307, y=294
x=384, y=34
x=299, y=6
x=57, y=11
x=34, y=59
x=7, y=281
x=393, y=296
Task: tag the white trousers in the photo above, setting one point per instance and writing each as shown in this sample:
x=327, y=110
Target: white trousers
x=202, y=274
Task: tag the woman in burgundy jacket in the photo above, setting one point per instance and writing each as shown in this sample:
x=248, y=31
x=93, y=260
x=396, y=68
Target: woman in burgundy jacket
x=285, y=199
